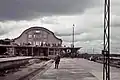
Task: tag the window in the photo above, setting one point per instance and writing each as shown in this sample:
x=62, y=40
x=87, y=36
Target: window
x=34, y=36
x=37, y=36
x=49, y=44
x=29, y=36
x=44, y=35
x=44, y=43
x=40, y=43
x=37, y=31
x=34, y=43
x=29, y=42
x=45, y=40
x=37, y=43
x=40, y=36
x=50, y=53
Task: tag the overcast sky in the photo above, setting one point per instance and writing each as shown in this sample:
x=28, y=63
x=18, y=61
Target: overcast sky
x=59, y=16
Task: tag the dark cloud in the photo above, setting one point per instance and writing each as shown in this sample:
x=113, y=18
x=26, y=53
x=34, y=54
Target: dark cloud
x=29, y=9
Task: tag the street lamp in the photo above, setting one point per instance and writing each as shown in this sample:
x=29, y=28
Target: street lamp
x=73, y=37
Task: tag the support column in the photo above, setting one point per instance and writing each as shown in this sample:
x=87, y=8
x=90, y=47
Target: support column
x=54, y=51
x=27, y=51
x=32, y=51
x=48, y=51
x=38, y=51
x=59, y=51
x=13, y=51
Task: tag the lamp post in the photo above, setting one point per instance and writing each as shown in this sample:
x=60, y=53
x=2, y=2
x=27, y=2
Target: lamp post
x=73, y=51
x=73, y=37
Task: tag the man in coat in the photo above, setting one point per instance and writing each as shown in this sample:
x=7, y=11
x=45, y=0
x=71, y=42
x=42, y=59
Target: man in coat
x=57, y=60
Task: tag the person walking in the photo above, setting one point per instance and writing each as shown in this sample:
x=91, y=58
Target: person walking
x=57, y=60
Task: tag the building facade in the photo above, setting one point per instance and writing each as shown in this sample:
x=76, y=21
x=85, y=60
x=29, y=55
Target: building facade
x=38, y=36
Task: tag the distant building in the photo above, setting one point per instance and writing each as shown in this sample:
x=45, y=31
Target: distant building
x=6, y=41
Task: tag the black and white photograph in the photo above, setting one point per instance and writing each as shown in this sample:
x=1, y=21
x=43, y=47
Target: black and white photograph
x=59, y=40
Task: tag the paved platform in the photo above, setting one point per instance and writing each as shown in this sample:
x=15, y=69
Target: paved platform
x=69, y=69
x=77, y=69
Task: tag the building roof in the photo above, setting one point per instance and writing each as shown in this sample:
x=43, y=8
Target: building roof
x=37, y=27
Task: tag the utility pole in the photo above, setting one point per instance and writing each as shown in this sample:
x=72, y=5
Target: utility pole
x=72, y=53
x=73, y=37
x=106, y=50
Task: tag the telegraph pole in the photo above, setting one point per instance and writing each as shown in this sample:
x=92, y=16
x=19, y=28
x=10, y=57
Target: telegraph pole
x=106, y=50
x=72, y=54
x=73, y=36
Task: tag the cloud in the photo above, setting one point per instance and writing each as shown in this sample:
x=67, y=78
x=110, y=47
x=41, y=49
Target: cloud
x=31, y=9
x=115, y=21
x=59, y=17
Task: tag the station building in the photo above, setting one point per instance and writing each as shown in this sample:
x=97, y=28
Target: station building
x=38, y=36
x=38, y=41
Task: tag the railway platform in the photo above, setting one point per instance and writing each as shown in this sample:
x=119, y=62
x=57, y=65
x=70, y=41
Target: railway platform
x=14, y=58
x=76, y=69
x=13, y=62
x=69, y=69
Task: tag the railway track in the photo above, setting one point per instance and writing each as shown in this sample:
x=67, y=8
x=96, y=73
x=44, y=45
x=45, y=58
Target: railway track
x=22, y=69
x=113, y=63
x=41, y=70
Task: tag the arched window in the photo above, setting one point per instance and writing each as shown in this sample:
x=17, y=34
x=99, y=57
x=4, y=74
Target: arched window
x=37, y=43
x=55, y=45
x=29, y=42
x=34, y=43
x=30, y=36
x=41, y=43
x=34, y=36
x=49, y=44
